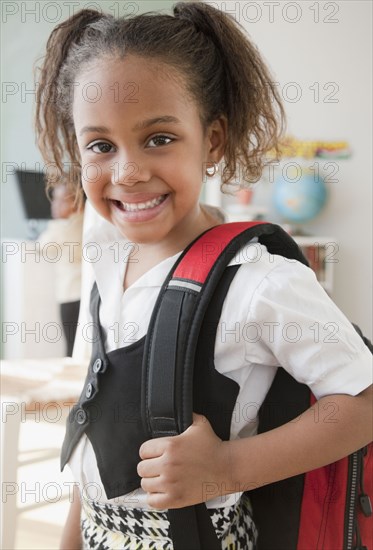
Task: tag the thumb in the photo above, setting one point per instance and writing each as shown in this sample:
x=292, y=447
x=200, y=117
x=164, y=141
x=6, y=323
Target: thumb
x=199, y=418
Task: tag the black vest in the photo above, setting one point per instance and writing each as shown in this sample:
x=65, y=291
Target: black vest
x=109, y=407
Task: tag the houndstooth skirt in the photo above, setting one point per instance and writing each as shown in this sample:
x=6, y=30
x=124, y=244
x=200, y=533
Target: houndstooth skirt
x=109, y=527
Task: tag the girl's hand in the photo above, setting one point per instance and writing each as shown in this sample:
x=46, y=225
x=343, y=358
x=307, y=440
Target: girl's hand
x=185, y=469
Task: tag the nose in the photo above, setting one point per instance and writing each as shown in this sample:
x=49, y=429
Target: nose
x=129, y=172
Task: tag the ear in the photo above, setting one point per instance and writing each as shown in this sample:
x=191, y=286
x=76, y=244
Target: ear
x=217, y=138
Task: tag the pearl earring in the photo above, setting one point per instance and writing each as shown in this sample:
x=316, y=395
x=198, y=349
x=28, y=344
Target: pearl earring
x=212, y=170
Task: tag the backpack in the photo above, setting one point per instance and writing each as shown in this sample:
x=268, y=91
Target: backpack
x=330, y=507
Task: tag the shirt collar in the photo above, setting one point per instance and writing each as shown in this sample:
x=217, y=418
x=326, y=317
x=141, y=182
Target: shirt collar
x=108, y=251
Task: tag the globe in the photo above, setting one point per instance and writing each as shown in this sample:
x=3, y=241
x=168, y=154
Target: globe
x=299, y=196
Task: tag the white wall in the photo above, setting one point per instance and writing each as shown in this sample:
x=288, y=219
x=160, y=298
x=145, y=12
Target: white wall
x=304, y=52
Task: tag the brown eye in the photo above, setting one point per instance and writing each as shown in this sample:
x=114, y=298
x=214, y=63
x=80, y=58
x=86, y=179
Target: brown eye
x=101, y=147
x=160, y=140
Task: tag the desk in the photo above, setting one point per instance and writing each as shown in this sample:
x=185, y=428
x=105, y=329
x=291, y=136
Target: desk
x=46, y=388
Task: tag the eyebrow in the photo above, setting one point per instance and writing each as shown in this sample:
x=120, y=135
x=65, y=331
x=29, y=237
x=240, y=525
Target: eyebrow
x=156, y=120
x=139, y=126
x=99, y=129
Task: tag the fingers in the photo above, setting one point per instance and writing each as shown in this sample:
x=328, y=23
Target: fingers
x=169, y=470
x=161, y=495
x=156, y=447
x=153, y=448
x=151, y=485
x=149, y=467
x=159, y=501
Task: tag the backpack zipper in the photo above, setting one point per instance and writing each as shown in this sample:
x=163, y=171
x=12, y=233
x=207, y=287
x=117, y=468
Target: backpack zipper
x=351, y=498
x=355, y=478
x=364, y=499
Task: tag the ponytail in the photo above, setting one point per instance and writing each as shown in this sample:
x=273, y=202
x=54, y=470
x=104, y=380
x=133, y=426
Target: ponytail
x=55, y=135
x=256, y=117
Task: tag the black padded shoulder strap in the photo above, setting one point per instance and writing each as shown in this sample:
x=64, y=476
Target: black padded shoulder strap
x=172, y=340
x=178, y=314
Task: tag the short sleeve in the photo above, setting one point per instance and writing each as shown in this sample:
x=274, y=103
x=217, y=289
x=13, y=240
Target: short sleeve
x=293, y=323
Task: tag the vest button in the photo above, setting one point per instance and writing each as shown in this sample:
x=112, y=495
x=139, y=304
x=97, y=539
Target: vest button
x=81, y=416
x=88, y=391
x=97, y=365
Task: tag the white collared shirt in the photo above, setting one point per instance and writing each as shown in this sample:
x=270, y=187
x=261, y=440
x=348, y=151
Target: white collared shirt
x=275, y=313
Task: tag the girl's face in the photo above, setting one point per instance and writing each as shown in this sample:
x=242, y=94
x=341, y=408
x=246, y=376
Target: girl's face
x=143, y=150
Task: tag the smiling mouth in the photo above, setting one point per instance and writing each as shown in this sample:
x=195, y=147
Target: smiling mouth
x=140, y=206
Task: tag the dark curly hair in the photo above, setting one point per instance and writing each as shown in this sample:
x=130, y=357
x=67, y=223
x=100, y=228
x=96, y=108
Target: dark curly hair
x=223, y=70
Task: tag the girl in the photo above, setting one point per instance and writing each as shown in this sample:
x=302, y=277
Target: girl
x=146, y=108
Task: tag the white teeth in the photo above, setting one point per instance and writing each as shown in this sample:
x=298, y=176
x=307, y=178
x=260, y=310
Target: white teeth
x=135, y=207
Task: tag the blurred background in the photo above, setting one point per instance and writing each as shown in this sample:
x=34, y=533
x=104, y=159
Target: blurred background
x=321, y=60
